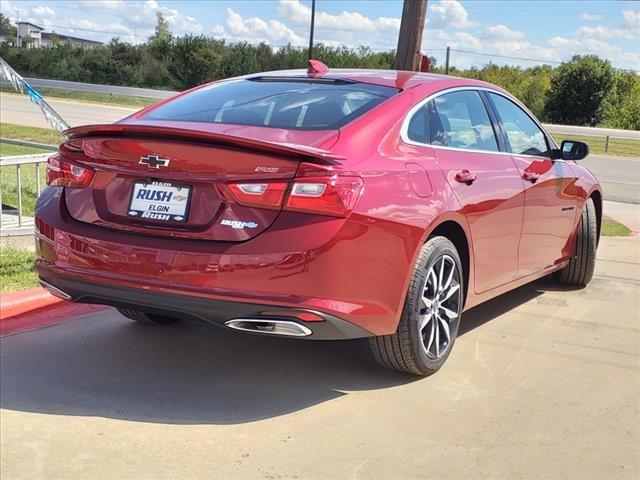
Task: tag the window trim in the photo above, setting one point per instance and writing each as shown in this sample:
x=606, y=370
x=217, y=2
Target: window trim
x=404, y=129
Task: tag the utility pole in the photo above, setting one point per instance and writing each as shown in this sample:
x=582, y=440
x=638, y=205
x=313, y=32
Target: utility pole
x=17, y=28
x=446, y=63
x=410, y=37
x=313, y=21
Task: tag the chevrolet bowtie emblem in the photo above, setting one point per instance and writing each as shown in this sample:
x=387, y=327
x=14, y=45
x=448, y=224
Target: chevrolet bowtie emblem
x=154, y=161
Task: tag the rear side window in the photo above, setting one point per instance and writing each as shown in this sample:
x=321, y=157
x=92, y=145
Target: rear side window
x=524, y=136
x=460, y=120
x=277, y=103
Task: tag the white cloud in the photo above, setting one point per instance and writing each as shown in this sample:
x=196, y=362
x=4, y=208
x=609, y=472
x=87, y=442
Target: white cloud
x=600, y=31
x=41, y=11
x=109, y=5
x=7, y=9
x=143, y=14
x=447, y=14
x=298, y=13
x=590, y=17
x=502, y=32
x=255, y=29
x=631, y=18
x=489, y=47
x=569, y=46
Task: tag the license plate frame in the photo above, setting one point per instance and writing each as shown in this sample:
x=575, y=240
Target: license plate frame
x=148, y=208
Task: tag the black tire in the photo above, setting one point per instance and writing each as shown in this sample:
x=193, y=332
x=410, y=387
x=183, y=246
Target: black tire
x=146, y=318
x=580, y=269
x=405, y=350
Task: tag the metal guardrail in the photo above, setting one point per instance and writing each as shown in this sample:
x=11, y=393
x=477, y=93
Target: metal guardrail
x=593, y=131
x=13, y=222
x=97, y=88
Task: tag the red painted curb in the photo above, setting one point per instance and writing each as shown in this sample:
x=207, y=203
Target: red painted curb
x=52, y=315
x=18, y=303
x=37, y=308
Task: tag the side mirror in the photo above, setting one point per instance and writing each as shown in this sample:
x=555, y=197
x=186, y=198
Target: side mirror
x=574, y=150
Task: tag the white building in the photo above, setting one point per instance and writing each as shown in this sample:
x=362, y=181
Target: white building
x=29, y=35
x=51, y=39
x=32, y=36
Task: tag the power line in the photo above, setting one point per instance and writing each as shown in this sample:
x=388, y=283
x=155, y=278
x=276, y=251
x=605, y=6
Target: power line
x=506, y=56
x=96, y=31
x=495, y=55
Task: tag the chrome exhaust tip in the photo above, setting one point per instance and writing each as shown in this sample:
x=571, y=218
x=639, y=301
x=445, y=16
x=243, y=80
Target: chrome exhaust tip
x=55, y=291
x=269, y=326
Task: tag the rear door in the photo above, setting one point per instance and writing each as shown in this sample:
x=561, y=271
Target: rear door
x=485, y=181
x=550, y=193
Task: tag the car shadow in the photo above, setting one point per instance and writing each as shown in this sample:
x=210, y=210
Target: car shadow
x=184, y=373
x=192, y=373
x=487, y=311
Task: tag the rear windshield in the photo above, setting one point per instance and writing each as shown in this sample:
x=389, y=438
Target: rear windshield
x=288, y=103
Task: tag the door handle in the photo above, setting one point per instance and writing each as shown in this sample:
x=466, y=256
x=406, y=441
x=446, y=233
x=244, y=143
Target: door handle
x=465, y=176
x=530, y=176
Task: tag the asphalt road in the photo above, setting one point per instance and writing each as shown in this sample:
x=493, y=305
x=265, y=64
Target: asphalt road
x=19, y=110
x=542, y=383
x=619, y=176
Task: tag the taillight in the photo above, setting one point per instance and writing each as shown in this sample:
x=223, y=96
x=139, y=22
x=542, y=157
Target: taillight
x=335, y=195
x=314, y=190
x=261, y=195
x=62, y=173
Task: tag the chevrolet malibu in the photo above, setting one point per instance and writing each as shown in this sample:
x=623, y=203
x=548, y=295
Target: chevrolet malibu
x=319, y=204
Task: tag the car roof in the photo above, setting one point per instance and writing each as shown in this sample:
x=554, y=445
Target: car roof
x=402, y=79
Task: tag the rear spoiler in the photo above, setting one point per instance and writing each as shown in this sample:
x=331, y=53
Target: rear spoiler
x=303, y=152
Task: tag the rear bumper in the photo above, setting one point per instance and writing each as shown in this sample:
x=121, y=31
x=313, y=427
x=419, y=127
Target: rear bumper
x=350, y=270
x=212, y=311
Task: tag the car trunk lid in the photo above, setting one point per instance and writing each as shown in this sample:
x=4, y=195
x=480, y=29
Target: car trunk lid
x=173, y=182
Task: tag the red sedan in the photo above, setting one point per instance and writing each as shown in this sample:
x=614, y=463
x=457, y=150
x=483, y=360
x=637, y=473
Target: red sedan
x=319, y=204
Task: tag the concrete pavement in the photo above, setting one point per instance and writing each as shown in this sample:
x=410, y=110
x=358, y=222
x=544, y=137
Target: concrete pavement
x=626, y=213
x=542, y=383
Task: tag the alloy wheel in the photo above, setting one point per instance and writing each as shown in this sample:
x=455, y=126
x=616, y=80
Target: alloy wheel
x=439, y=307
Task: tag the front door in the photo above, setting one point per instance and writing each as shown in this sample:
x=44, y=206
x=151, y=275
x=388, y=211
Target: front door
x=550, y=195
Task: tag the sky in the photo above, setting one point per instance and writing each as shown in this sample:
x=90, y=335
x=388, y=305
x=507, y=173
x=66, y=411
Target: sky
x=542, y=31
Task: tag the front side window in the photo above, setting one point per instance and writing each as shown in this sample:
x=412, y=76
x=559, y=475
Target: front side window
x=524, y=136
x=460, y=120
x=291, y=103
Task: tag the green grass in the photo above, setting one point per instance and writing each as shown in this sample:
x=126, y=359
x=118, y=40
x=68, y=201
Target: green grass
x=89, y=97
x=16, y=270
x=624, y=147
x=8, y=183
x=8, y=180
x=30, y=134
x=8, y=150
x=611, y=228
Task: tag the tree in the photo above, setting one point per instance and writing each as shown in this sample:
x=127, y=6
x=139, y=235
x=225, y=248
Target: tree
x=8, y=30
x=578, y=91
x=160, y=41
x=623, y=105
x=193, y=61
